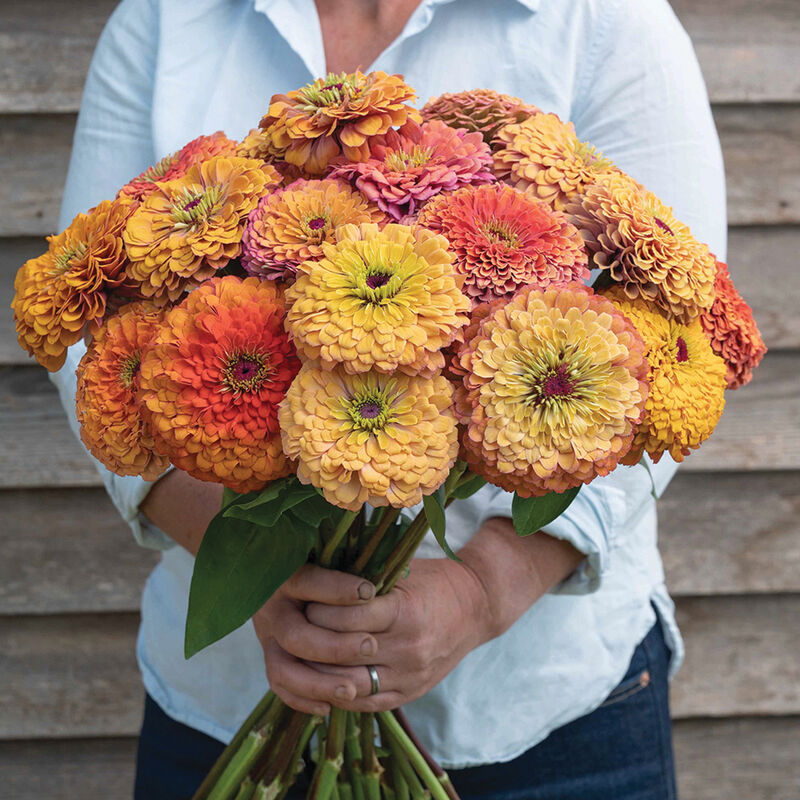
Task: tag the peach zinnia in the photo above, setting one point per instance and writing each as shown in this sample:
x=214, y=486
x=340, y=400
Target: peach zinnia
x=107, y=400
x=405, y=168
x=369, y=438
x=481, y=110
x=554, y=385
x=290, y=225
x=384, y=299
x=732, y=330
x=63, y=294
x=338, y=114
x=543, y=156
x=192, y=226
x=687, y=382
x=650, y=253
x=213, y=378
x=503, y=239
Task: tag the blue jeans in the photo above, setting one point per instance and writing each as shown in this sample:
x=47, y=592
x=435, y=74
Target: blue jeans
x=621, y=751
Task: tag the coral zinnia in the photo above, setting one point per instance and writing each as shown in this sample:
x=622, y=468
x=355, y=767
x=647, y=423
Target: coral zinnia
x=406, y=168
x=633, y=235
x=732, y=330
x=544, y=157
x=62, y=294
x=336, y=114
x=213, y=378
x=289, y=226
x=192, y=226
x=369, y=438
x=385, y=299
x=503, y=239
x=555, y=384
x=687, y=382
x=177, y=164
x=482, y=110
x=107, y=405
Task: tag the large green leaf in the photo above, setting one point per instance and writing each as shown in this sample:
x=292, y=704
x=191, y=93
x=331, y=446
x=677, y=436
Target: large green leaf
x=239, y=566
x=530, y=514
x=434, y=511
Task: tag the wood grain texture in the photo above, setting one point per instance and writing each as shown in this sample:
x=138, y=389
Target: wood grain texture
x=68, y=551
x=748, y=49
x=69, y=676
x=736, y=533
x=761, y=144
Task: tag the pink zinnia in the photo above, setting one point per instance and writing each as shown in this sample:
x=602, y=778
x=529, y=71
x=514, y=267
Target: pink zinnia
x=408, y=166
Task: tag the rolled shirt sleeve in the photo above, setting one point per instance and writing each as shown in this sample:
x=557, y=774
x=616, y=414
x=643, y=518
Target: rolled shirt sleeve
x=112, y=144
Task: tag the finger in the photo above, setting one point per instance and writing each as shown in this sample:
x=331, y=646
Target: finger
x=383, y=701
x=312, y=584
x=300, y=638
x=303, y=681
x=301, y=703
x=388, y=679
x=376, y=616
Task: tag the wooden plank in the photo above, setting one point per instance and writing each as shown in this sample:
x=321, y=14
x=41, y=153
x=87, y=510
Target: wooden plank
x=731, y=533
x=37, y=447
x=69, y=676
x=761, y=146
x=762, y=260
x=68, y=551
x=742, y=656
x=90, y=769
x=751, y=759
x=749, y=51
x=46, y=52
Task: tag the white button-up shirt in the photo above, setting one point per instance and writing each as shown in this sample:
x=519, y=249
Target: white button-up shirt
x=624, y=72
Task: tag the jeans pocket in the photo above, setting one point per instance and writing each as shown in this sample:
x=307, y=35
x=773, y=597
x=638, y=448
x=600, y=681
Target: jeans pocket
x=628, y=688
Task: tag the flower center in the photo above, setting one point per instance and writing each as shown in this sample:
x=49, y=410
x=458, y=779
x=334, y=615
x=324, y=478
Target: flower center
x=158, y=170
x=663, y=225
x=129, y=370
x=190, y=206
x=370, y=410
x=246, y=372
x=557, y=384
x=64, y=258
x=591, y=157
x=332, y=91
x=378, y=279
x=498, y=231
x=683, y=350
x=317, y=223
x=401, y=160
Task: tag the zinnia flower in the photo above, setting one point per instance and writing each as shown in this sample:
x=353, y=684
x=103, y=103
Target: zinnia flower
x=503, y=239
x=732, y=330
x=337, y=114
x=369, y=438
x=544, y=157
x=108, y=409
x=554, y=386
x=687, y=382
x=177, y=164
x=406, y=168
x=192, y=226
x=384, y=299
x=289, y=226
x=481, y=110
x=62, y=294
x=212, y=380
x=633, y=235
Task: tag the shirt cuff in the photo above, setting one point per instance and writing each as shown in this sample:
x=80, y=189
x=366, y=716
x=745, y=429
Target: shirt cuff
x=127, y=494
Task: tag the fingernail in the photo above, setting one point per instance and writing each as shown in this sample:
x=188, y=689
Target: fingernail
x=366, y=591
x=342, y=693
x=368, y=647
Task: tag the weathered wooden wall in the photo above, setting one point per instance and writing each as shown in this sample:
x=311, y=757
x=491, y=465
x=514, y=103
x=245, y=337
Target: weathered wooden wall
x=70, y=576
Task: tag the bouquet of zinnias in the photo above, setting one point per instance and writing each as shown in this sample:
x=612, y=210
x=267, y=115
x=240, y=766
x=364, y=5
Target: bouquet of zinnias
x=361, y=308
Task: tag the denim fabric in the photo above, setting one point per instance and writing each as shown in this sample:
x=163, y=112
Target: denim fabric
x=620, y=751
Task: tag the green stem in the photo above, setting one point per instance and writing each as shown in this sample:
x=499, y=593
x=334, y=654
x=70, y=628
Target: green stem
x=246, y=790
x=333, y=543
x=406, y=782
x=254, y=744
x=325, y=778
x=420, y=765
x=352, y=758
x=369, y=760
x=388, y=517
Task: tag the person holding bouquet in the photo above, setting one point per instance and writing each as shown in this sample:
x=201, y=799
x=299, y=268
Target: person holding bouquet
x=533, y=668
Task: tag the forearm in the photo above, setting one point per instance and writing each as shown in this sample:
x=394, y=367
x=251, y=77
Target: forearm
x=512, y=572
x=182, y=507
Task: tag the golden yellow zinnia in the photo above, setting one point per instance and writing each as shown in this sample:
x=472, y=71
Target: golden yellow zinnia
x=379, y=299
x=369, y=438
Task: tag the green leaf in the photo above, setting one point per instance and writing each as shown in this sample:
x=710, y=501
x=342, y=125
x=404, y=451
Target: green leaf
x=239, y=566
x=469, y=488
x=434, y=511
x=266, y=511
x=531, y=514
